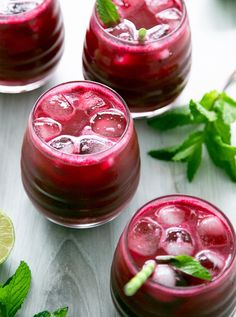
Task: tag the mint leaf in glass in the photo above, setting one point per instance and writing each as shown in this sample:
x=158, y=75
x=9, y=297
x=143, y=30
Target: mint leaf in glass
x=15, y=290
x=62, y=312
x=107, y=12
x=184, y=263
x=188, y=265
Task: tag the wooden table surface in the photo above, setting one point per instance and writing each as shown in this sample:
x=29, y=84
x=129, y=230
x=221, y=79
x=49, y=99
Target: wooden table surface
x=72, y=267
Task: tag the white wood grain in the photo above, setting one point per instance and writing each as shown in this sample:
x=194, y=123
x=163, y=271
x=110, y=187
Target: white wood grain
x=71, y=267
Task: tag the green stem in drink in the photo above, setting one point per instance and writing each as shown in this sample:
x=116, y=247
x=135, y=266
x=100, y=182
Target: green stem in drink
x=140, y=278
x=142, y=34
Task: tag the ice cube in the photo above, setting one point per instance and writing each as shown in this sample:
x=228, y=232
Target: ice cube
x=157, y=32
x=91, y=144
x=11, y=7
x=47, y=128
x=171, y=17
x=58, y=108
x=73, y=98
x=211, y=261
x=178, y=242
x=125, y=30
x=156, y=6
x=111, y=124
x=91, y=102
x=171, y=215
x=164, y=275
x=63, y=143
x=128, y=7
x=145, y=237
x=212, y=231
x=75, y=125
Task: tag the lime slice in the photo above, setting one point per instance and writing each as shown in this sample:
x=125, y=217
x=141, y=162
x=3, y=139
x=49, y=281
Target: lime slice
x=7, y=236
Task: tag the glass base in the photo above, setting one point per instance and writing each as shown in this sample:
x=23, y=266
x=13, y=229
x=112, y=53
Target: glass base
x=149, y=114
x=83, y=225
x=24, y=88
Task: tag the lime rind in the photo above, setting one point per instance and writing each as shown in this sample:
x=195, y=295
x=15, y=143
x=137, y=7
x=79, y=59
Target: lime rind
x=7, y=236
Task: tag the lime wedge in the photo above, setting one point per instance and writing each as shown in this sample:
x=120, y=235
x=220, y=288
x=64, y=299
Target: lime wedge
x=7, y=236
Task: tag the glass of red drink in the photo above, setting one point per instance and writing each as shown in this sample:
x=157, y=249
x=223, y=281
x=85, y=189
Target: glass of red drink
x=31, y=43
x=80, y=156
x=148, y=74
x=176, y=225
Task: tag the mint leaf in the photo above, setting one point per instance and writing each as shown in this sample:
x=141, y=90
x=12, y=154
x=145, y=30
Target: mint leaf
x=189, y=151
x=142, y=34
x=15, y=290
x=165, y=154
x=188, y=265
x=62, y=312
x=216, y=112
x=222, y=154
x=171, y=119
x=199, y=113
x=107, y=12
x=209, y=99
x=194, y=162
x=227, y=107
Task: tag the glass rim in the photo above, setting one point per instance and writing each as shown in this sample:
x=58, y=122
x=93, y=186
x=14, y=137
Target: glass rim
x=20, y=17
x=81, y=156
x=130, y=43
x=181, y=289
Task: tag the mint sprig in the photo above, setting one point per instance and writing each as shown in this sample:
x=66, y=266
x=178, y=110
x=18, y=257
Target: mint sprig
x=188, y=265
x=14, y=291
x=107, y=12
x=212, y=116
x=62, y=312
x=183, y=263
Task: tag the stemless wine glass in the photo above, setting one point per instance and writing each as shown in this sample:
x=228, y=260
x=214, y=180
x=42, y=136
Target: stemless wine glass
x=176, y=225
x=31, y=43
x=149, y=74
x=80, y=156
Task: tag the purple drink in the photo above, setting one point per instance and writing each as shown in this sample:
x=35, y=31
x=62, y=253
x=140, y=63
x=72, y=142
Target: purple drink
x=80, y=156
x=31, y=43
x=176, y=225
x=148, y=74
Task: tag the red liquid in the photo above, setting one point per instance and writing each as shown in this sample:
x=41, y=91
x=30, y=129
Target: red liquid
x=176, y=225
x=31, y=44
x=80, y=155
x=151, y=74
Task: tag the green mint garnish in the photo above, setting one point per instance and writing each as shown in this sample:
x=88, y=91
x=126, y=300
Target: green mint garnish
x=212, y=116
x=107, y=12
x=140, y=278
x=186, y=264
x=14, y=291
x=142, y=34
x=183, y=263
x=62, y=312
